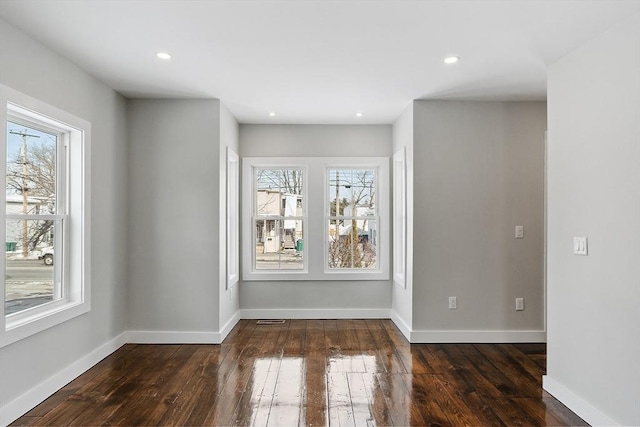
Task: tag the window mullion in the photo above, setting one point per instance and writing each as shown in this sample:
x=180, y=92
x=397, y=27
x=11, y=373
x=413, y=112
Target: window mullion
x=364, y=177
x=43, y=217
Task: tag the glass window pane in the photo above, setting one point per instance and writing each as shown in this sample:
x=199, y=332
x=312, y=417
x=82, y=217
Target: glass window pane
x=30, y=171
x=291, y=181
x=279, y=244
x=268, y=202
x=349, y=188
x=352, y=244
x=352, y=239
x=30, y=270
x=334, y=245
x=279, y=192
x=279, y=201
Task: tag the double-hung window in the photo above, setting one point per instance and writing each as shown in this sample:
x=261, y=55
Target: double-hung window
x=316, y=218
x=352, y=219
x=46, y=215
x=279, y=218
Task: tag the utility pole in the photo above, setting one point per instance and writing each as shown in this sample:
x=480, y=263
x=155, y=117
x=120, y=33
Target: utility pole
x=24, y=189
x=337, y=201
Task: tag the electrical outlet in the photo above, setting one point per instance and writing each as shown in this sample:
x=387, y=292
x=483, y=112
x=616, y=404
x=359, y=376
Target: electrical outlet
x=580, y=246
x=519, y=304
x=453, y=303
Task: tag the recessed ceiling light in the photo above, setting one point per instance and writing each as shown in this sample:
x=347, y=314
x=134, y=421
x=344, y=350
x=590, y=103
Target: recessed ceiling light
x=163, y=55
x=451, y=59
x=272, y=113
x=359, y=114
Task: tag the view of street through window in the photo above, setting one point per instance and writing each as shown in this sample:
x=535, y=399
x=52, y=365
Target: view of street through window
x=28, y=283
x=31, y=205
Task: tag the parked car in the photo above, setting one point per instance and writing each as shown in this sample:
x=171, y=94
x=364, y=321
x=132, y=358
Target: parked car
x=46, y=254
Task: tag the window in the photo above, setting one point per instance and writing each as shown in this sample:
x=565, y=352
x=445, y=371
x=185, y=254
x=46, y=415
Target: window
x=352, y=219
x=315, y=219
x=278, y=218
x=46, y=246
x=35, y=215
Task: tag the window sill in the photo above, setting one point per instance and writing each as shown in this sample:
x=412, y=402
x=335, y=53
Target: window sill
x=40, y=320
x=334, y=276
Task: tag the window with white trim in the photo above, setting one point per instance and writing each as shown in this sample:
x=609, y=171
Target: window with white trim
x=278, y=218
x=315, y=218
x=46, y=215
x=352, y=219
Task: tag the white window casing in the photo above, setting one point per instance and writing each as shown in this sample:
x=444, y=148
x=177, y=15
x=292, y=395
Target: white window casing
x=71, y=219
x=315, y=218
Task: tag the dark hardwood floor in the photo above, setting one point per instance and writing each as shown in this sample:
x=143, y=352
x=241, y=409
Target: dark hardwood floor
x=314, y=373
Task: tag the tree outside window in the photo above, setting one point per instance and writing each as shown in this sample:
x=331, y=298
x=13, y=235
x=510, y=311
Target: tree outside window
x=31, y=183
x=278, y=219
x=353, y=217
x=315, y=218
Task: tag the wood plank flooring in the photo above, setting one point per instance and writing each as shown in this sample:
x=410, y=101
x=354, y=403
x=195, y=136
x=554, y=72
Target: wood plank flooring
x=310, y=373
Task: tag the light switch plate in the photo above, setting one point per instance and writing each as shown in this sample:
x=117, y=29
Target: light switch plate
x=580, y=246
x=519, y=231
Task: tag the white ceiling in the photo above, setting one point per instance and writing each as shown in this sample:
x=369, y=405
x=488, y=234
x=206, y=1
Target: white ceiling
x=318, y=61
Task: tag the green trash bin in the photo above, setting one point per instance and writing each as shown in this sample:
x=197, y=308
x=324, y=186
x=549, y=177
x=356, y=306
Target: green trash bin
x=299, y=245
x=10, y=246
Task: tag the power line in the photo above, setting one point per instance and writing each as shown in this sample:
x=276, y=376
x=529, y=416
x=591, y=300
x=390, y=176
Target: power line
x=25, y=188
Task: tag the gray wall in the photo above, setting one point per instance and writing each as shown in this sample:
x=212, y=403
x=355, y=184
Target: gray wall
x=29, y=67
x=594, y=191
x=229, y=137
x=479, y=172
x=174, y=153
x=402, y=298
x=315, y=140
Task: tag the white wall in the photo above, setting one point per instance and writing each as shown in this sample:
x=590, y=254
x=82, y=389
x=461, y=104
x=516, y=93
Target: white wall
x=402, y=298
x=229, y=298
x=29, y=67
x=263, y=299
x=174, y=158
x=479, y=172
x=593, y=359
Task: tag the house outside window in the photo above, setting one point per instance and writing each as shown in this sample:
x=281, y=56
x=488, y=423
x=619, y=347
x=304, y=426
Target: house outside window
x=279, y=219
x=293, y=230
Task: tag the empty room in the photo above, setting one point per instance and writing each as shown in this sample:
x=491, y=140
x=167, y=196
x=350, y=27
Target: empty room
x=320, y=213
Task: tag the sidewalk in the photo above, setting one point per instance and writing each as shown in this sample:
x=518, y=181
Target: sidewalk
x=284, y=256
x=20, y=287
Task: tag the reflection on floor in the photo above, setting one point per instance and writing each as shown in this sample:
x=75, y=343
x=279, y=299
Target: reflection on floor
x=313, y=373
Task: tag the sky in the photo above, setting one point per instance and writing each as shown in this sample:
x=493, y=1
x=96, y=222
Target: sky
x=14, y=142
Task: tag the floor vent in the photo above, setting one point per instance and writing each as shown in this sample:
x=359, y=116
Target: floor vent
x=270, y=322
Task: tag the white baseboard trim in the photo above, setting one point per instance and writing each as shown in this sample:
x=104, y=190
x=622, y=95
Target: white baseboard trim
x=401, y=324
x=173, y=337
x=224, y=331
x=329, y=313
x=24, y=403
x=32, y=398
x=577, y=404
x=477, y=336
